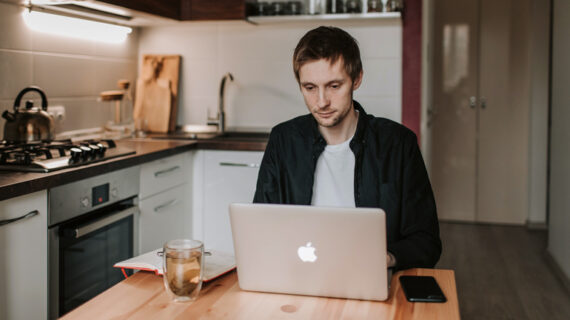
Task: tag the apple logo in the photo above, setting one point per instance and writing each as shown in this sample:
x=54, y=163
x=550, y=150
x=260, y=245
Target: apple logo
x=307, y=253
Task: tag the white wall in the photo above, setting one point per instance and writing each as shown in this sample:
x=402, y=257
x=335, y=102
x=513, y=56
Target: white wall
x=559, y=213
x=71, y=72
x=538, y=136
x=265, y=91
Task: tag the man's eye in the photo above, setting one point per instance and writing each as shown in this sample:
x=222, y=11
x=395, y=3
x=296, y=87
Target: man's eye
x=309, y=88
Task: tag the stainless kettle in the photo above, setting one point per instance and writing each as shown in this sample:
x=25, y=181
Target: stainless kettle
x=29, y=124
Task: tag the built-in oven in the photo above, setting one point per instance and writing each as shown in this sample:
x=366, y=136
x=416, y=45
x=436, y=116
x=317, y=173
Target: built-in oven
x=93, y=223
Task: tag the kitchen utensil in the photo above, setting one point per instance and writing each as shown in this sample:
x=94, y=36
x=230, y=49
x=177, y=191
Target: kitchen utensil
x=158, y=72
x=153, y=101
x=116, y=96
x=29, y=124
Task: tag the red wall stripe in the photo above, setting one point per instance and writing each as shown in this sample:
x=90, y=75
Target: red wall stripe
x=412, y=65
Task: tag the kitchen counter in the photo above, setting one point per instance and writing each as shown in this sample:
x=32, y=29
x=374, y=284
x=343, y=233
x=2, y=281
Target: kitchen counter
x=142, y=296
x=13, y=184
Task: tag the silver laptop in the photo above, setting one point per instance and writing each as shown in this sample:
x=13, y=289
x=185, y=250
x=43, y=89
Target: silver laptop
x=318, y=251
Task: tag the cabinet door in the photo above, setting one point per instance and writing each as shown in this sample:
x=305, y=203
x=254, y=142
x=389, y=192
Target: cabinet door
x=479, y=133
x=168, y=9
x=23, y=258
x=162, y=218
x=162, y=174
x=213, y=9
x=454, y=120
x=229, y=176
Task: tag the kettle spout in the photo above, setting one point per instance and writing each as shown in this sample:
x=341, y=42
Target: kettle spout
x=8, y=116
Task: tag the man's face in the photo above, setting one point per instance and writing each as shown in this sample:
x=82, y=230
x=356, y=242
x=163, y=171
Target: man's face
x=327, y=90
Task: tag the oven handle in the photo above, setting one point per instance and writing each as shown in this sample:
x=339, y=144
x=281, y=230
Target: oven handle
x=91, y=227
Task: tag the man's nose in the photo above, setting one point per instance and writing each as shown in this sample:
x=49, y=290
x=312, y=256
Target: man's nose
x=323, y=100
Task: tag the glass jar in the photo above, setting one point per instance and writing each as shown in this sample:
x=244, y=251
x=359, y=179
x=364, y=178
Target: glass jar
x=375, y=6
x=353, y=6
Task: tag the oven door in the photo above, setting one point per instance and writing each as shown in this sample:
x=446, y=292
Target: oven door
x=83, y=252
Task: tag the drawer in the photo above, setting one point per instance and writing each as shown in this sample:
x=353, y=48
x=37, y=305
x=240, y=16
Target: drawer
x=162, y=174
x=162, y=218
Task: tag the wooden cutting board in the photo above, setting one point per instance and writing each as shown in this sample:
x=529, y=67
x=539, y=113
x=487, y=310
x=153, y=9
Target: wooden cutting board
x=154, y=99
x=158, y=72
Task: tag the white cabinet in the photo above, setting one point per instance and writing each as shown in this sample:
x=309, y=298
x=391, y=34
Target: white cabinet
x=162, y=218
x=23, y=257
x=165, y=201
x=162, y=174
x=221, y=178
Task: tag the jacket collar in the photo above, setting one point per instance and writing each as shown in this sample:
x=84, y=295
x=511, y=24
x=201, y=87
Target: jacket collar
x=319, y=142
x=362, y=123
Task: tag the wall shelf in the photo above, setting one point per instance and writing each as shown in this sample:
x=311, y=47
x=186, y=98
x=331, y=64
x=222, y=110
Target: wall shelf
x=323, y=17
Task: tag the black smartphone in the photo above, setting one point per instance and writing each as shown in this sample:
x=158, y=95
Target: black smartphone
x=421, y=289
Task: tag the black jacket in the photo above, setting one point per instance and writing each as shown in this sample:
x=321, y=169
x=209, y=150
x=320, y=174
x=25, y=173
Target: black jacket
x=389, y=174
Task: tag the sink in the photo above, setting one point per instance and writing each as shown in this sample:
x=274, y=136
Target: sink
x=231, y=135
x=237, y=135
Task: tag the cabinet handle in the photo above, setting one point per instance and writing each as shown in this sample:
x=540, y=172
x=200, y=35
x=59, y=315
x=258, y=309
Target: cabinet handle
x=27, y=215
x=165, y=205
x=483, y=102
x=165, y=171
x=236, y=164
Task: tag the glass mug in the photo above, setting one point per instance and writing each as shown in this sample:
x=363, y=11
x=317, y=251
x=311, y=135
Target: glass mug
x=183, y=266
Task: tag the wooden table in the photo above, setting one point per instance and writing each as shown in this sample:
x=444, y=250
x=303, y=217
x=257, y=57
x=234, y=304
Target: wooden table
x=142, y=296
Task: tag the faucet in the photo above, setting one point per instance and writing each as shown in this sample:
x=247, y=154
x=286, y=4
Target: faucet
x=220, y=120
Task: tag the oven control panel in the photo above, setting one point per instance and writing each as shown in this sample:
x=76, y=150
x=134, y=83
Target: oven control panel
x=74, y=199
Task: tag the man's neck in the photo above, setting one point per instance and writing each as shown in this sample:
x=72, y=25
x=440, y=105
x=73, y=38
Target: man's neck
x=342, y=131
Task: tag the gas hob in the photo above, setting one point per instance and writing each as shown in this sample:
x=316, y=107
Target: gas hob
x=54, y=155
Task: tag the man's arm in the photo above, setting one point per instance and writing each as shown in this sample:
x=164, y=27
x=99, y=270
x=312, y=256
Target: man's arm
x=420, y=245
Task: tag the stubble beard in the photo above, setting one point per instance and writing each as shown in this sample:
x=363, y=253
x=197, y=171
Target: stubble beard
x=336, y=120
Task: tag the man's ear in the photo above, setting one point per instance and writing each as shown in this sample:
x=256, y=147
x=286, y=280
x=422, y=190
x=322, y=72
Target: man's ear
x=357, y=81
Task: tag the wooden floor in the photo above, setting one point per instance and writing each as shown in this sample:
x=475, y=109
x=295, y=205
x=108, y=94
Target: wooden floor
x=502, y=273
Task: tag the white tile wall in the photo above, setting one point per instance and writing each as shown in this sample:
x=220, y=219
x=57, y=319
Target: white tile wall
x=72, y=72
x=265, y=91
x=12, y=33
x=15, y=72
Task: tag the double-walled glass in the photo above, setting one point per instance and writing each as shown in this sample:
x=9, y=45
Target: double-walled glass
x=183, y=269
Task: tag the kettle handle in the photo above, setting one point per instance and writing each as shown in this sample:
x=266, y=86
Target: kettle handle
x=28, y=89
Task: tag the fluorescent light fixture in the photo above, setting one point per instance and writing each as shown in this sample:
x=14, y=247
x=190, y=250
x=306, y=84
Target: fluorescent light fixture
x=74, y=27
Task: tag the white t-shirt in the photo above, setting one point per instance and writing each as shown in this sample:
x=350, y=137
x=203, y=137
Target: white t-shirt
x=334, y=177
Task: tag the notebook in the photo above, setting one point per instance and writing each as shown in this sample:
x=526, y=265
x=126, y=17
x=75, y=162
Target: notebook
x=307, y=250
x=216, y=263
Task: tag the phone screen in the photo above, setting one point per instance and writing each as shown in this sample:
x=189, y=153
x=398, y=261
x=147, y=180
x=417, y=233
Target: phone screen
x=421, y=289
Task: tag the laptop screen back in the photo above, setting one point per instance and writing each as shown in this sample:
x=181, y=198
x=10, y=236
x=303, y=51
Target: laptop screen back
x=319, y=251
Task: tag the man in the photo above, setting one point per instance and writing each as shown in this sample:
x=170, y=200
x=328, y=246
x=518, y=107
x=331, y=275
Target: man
x=340, y=156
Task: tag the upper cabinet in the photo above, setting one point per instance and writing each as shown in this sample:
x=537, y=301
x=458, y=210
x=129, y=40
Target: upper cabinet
x=213, y=9
x=188, y=9
x=164, y=8
x=197, y=10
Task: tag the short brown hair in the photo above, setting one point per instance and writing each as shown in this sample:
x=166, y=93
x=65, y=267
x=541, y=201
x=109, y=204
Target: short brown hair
x=329, y=43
